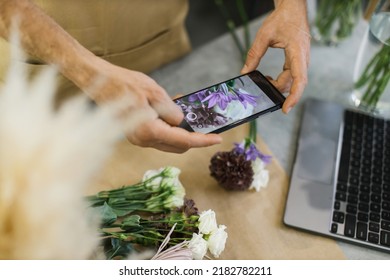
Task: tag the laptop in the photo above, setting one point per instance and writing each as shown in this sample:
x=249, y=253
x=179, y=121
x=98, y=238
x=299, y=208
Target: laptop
x=340, y=184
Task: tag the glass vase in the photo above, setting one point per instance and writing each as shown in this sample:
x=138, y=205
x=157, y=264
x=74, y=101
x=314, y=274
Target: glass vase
x=334, y=20
x=372, y=68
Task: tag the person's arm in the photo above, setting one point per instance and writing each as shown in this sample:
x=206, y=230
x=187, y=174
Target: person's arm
x=287, y=28
x=147, y=102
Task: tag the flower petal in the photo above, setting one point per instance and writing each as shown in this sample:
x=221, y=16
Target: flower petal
x=217, y=241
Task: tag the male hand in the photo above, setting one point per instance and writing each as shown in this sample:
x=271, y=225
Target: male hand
x=150, y=116
x=287, y=28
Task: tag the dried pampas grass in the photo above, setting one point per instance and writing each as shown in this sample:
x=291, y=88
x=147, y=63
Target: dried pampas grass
x=47, y=158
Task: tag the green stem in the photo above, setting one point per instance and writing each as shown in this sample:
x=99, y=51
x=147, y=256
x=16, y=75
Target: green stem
x=376, y=77
x=253, y=131
x=337, y=18
x=141, y=238
x=367, y=73
x=231, y=26
x=244, y=18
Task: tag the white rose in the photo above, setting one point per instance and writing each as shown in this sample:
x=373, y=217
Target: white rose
x=260, y=175
x=198, y=246
x=207, y=222
x=217, y=240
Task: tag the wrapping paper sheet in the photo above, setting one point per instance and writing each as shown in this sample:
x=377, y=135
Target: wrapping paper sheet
x=254, y=220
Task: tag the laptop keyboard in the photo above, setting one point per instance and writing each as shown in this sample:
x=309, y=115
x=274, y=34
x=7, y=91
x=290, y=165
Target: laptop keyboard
x=362, y=197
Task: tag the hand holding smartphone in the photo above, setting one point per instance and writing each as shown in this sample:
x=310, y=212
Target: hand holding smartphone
x=229, y=104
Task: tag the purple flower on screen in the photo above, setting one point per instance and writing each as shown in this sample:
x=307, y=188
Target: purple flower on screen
x=217, y=98
x=199, y=96
x=249, y=149
x=224, y=88
x=223, y=95
x=245, y=98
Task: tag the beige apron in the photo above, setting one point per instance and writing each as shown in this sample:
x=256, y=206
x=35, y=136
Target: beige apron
x=136, y=34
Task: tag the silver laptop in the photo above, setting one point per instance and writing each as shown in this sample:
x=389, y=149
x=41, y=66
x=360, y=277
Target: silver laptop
x=339, y=187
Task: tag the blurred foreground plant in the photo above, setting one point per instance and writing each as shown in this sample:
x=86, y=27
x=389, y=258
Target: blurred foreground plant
x=48, y=158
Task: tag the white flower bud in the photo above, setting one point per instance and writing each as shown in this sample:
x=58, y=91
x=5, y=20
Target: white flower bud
x=168, y=182
x=155, y=182
x=171, y=172
x=176, y=199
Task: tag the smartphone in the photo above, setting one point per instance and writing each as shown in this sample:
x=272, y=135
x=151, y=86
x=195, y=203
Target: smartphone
x=228, y=104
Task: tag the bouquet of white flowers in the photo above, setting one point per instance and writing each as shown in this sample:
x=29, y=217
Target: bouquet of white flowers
x=144, y=214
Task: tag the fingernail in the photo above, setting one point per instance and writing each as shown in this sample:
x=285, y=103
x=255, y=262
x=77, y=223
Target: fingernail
x=288, y=110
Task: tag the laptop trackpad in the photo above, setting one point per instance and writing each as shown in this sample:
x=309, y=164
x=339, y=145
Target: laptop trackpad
x=316, y=159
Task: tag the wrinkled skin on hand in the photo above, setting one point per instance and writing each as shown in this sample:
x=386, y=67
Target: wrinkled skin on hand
x=286, y=28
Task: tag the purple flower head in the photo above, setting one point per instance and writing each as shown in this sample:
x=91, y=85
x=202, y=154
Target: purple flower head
x=239, y=148
x=217, y=98
x=245, y=98
x=224, y=88
x=197, y=96
x=249, y=149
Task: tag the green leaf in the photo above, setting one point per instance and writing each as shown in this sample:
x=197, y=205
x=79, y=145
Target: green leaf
x=116, y=248
x=107, y=214
x=121, y=212
x=230, y=83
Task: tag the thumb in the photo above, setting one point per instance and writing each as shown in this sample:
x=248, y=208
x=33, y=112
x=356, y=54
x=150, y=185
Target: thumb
x=169, y=112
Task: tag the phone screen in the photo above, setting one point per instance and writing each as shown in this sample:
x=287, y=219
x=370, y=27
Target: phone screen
x=228, y=103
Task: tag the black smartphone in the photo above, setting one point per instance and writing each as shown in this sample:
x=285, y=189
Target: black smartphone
x=228, y=104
